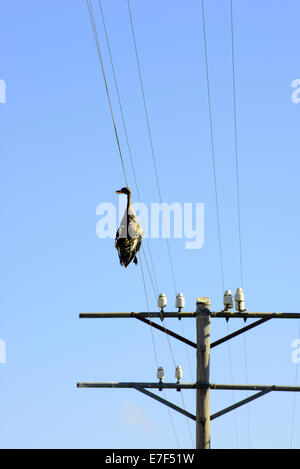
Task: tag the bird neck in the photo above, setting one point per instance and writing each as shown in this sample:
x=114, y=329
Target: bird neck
x=127, y=210
x=128, y=201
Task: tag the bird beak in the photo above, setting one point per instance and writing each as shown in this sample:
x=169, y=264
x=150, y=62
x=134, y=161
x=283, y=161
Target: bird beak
x=118, y=192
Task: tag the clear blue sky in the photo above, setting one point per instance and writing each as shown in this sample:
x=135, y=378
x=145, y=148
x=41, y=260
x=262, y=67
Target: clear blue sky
x=59, y=160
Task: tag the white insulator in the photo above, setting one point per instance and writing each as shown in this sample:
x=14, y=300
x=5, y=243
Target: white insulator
x=240, y=306
x=160, y=373
x=228, y=301
x=239, y=295
x=162, y=301
x=239, y=300
x=180, y=301
x=178, y=373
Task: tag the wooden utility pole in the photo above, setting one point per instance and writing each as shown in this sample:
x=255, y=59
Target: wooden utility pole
x=202, y=394
x=202, y=386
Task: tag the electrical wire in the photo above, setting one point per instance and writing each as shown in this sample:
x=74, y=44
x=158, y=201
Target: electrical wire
x=236, y=144
x=155, y=352
x=150, y=136
x=157, y=179
x=92, y=18
x=93, y=23
x=212, y=148
x=126, y=137
x=148, y=309
x=149, y=273
x=216, y=190
x=187, y=353
x=238, y=201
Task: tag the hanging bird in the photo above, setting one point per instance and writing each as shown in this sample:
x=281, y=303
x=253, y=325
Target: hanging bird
x=129, y=235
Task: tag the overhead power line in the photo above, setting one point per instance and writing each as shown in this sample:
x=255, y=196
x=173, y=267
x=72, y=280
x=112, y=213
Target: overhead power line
x=216, y=192
x=155, y=351
x=238, y=198
x=150, y=137
x=92, y=18
x=212, y=148
x=96, y=37
x=93, y=23
x=156, y=176
x=236, y=144
x=127, y=141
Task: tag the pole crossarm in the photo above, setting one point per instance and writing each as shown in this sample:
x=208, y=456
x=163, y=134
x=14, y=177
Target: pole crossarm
x=198, y=385
x=253, y=387
x=156, y=385
x=164, y=401
x=238, y=332
x=182, y=315
x=248, y=315
x=155, y=314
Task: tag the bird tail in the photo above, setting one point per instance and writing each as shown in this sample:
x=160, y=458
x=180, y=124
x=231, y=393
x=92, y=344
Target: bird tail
x=135, y=260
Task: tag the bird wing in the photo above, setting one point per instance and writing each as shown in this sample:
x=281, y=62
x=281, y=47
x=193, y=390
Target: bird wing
x=134, y=228
x=128, y=242
x=127, y=249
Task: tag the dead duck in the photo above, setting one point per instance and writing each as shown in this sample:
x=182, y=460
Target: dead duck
x=129, y=235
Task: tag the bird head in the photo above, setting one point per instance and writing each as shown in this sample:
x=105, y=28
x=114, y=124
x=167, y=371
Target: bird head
x=124, y=190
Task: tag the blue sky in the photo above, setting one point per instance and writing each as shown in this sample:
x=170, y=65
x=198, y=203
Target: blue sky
x=59, y=161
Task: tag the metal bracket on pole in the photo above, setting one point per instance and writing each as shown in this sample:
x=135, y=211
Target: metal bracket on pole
x=240, y=403
x=166, y=331
x=238, y=332
x=164, y=401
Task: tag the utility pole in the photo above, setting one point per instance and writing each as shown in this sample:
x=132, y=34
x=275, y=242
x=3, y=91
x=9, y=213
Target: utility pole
x=203, y=346
x=202, y=394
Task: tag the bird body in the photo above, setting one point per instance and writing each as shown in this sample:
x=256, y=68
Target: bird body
x=129, y=235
